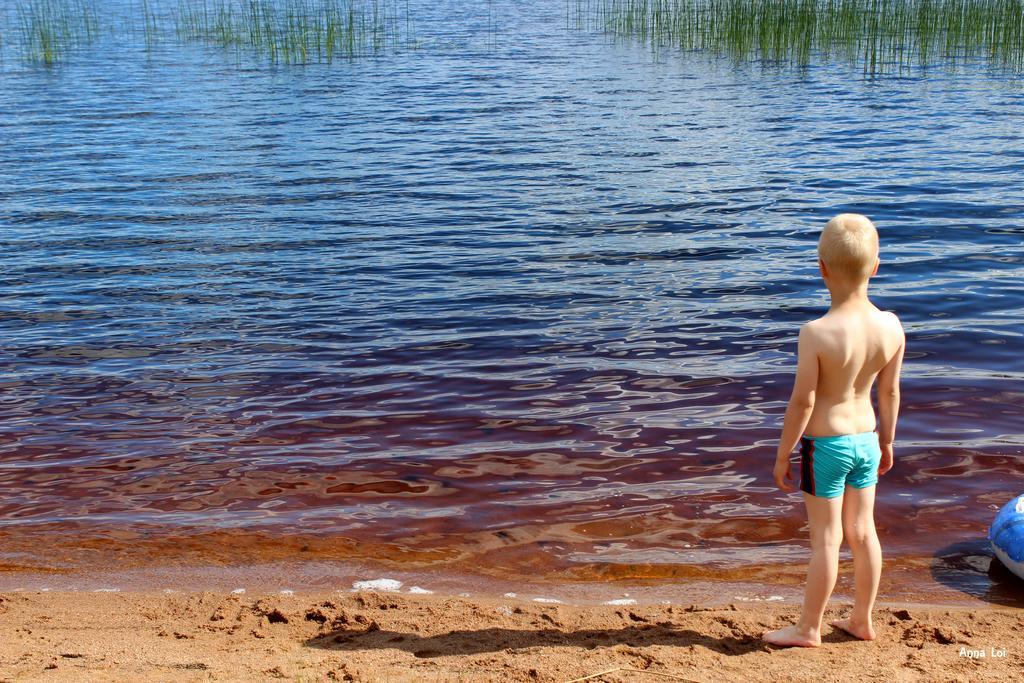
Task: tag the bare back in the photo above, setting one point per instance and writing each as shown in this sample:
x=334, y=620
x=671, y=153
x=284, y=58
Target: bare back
x=852, y=345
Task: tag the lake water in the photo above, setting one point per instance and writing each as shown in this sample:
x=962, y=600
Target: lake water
x=521, y=300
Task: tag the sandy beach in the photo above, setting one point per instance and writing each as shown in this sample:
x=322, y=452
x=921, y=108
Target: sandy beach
x=372, y=635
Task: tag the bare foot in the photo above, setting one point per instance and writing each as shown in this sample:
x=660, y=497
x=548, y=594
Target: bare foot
x=792, y=636
x=857, y=630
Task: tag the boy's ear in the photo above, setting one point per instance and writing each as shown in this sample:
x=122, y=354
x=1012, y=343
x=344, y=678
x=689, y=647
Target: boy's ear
x=874, y=271
x=822, y=268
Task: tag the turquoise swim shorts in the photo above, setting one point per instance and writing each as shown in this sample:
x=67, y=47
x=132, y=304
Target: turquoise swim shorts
x=829, y=463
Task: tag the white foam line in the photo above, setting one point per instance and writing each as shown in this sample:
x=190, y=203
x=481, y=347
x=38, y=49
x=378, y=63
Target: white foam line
x=546, y=600
x=287, y=591
x=107, y=590
x=421, y=591
x=238, y=591
x=621, y=601
x=377, y=584
x=770, y=598
x=510, y=595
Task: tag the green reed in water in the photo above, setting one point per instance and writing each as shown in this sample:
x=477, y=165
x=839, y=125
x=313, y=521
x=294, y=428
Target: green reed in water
x=290, y=31
x=49, y=28
x=295, y=30
x=879, y=34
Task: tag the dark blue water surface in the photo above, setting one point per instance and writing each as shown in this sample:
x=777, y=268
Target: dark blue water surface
x=519, y=296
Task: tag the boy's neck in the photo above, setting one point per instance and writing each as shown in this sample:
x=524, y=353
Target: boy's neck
x=844, y=296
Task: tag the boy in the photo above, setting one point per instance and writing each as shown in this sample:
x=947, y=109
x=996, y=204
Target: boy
x=838, y=358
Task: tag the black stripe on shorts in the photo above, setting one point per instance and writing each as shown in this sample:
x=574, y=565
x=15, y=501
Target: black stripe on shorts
x=807, y=465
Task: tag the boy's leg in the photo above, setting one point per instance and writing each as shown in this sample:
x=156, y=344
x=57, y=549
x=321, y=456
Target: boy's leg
x=825, y=518
x=859, y=527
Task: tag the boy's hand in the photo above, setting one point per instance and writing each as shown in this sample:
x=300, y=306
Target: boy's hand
x=783, y=475
x=885, y=464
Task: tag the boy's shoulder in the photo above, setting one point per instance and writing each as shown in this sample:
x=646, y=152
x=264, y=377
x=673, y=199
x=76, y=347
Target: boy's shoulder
x=829, y=325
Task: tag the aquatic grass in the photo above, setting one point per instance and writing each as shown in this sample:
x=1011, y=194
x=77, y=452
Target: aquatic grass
x=50, y=28
x=288, y=31
x=878, y=34
x=296, y=31
x=150, y=25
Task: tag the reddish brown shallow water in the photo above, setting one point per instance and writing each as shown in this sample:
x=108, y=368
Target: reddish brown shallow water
x=701, y=508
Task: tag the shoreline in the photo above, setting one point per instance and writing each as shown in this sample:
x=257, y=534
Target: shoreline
x=370, y=635
x=913, y=581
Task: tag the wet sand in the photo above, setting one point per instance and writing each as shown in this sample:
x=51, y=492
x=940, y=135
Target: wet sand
x=961, y=573
x=374, y=635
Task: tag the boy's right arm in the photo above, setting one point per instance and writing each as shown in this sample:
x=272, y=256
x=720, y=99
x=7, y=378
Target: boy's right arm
x=889, y=402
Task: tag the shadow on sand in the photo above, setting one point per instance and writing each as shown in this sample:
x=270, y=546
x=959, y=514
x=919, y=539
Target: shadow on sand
x=971, y=568
x=469, y=642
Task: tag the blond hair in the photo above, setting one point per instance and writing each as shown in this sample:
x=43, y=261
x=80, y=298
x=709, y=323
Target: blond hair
x=849, y=246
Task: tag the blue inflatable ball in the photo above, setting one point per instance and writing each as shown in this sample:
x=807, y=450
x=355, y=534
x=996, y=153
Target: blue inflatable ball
x=1007, y=535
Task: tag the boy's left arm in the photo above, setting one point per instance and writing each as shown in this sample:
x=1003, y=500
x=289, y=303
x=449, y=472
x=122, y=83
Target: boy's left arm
x=801, y=405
